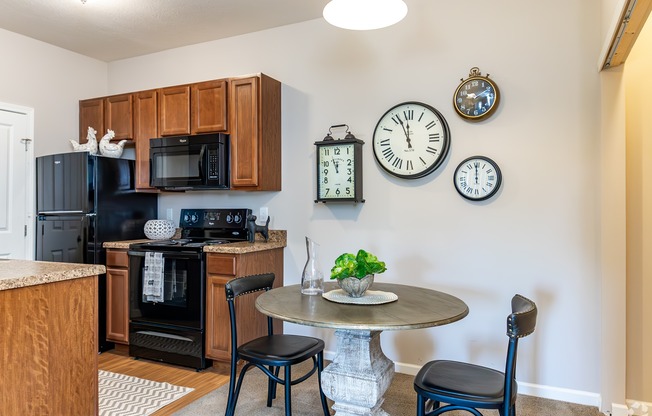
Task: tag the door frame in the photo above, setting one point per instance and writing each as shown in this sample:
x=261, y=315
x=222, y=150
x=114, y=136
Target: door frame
x=30, y=180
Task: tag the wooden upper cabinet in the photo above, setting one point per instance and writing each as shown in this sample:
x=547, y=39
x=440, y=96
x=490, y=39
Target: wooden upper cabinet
x=208, y=107
x=174, y=111
x=255, y=133
x=91, y=114
x=145, y=128
x=118, y=116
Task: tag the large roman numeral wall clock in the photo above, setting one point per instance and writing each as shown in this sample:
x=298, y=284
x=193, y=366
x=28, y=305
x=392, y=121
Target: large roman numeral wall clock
x=411, y=140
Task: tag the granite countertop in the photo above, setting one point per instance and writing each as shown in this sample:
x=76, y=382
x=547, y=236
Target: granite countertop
x=21, y=273
x=122, y=244
x=277, y=239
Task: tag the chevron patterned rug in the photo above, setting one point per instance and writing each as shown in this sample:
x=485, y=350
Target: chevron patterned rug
x=122, y=395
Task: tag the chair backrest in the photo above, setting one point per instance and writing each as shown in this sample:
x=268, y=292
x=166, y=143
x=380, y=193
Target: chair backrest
x=242, y=286
x=248, y=284
x=523, y=319
x=520, y=323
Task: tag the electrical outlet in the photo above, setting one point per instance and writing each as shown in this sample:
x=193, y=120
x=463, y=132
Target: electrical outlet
x=264, y=213
x=169, y=214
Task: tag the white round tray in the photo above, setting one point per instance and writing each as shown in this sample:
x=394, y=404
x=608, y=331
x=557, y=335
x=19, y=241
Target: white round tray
x=370, y=297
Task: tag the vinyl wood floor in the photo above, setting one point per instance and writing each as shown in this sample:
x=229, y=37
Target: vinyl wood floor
x=118, y=361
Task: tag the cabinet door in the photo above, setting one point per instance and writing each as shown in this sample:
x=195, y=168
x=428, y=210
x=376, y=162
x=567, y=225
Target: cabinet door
x=91, y=114
x=208, y=109
x=145, y=128
x=118, y=116
x=218, y=330
x=174, y=111
x=255, y=132
x=117, y=304
x=243, y=99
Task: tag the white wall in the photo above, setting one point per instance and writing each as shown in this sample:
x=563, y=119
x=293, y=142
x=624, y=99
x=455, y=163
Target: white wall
x=50, y=80
x=639, y=231
x=540, y=236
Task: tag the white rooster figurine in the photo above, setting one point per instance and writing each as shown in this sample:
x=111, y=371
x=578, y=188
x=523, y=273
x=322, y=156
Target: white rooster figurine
x=109, y=149
x=91, y=143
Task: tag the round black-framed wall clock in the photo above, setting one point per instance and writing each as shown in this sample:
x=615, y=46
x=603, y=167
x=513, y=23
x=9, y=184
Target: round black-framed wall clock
x=339, y=169
x=477, y=97
x=477, y=178
x=411, y=140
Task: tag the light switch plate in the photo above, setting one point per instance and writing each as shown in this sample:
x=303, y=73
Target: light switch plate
x=264, y=213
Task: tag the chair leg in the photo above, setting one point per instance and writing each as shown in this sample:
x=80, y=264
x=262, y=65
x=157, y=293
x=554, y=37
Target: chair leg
x=229, y=403
x=320, y=367
x=236, y=393
x=271, y=386
x=288, y=388
x=421, y=405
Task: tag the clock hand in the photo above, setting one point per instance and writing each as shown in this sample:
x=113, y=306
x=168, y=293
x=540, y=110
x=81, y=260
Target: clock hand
x=407, y=135
x=474, y=96
x=335, y=164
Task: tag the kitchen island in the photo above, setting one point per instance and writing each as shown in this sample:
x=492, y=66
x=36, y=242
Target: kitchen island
x=48, y=318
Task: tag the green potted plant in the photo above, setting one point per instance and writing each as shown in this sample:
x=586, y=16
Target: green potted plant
x=355, y=273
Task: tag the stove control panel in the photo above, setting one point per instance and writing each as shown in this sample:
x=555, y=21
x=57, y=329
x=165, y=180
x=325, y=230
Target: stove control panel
x=217, y=218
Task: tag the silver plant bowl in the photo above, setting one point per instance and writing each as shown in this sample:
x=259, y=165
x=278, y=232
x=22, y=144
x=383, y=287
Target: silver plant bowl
x=355, y=287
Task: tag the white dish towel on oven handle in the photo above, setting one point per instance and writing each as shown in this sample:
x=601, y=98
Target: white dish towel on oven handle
x=153, y=277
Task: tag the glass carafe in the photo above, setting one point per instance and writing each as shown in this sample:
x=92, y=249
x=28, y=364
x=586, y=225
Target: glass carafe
x=312, y=279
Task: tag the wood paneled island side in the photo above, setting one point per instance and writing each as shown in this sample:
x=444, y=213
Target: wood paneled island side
x=48, y=338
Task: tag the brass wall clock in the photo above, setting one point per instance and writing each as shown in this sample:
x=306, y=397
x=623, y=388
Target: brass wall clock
x=411, y=140
x=477, y=178
x=477, y=97
x=339, y=168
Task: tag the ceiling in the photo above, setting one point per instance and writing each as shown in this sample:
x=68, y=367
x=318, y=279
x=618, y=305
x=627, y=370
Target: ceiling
x=109, y=30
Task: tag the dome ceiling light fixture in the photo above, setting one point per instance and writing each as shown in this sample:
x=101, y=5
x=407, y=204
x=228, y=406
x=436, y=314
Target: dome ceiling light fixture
x=364, y=14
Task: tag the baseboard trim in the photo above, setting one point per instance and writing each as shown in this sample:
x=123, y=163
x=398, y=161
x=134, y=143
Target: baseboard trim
x=537, y=390
x=619, y=410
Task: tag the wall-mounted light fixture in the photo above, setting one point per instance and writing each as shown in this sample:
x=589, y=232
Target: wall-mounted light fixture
x=364, y=14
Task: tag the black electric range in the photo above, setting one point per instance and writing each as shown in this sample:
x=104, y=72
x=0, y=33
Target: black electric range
x=200, y=227
x=167, y=281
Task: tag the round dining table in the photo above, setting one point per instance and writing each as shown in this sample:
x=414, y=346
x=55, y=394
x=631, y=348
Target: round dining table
x=360, y=373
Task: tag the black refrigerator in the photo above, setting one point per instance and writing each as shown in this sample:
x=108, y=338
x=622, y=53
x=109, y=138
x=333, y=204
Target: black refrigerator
x=83, y=201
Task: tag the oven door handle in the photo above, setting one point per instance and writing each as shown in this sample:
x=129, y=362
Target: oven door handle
x=183, y=255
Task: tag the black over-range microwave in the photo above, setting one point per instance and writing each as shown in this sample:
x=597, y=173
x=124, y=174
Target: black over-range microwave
x=196, y=162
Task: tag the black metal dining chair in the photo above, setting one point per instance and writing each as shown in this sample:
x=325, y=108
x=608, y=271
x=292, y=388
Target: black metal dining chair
x=270, y=353
x=469, y=387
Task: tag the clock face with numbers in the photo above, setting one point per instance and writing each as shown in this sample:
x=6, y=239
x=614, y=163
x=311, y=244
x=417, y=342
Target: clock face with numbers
x=477, y=97
x=477, y=178
x=411, y=140
x=339, y=170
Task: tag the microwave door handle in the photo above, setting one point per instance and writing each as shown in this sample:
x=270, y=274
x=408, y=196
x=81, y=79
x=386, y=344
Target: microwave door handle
x=201, y=164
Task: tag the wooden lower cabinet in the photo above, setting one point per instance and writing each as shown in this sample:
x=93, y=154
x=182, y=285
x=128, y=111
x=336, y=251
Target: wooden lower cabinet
x=117, y=296
x=220, y=269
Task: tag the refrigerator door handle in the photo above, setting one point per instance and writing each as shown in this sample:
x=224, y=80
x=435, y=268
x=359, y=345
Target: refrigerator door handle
x=60, y=212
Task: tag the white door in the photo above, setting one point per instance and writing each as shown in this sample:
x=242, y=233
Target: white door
x=16, y=182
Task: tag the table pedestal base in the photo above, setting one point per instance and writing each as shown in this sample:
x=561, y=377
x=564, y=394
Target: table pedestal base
x=359, y=375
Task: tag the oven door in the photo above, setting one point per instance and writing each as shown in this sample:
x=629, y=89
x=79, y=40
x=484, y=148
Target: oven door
x=181, y=303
